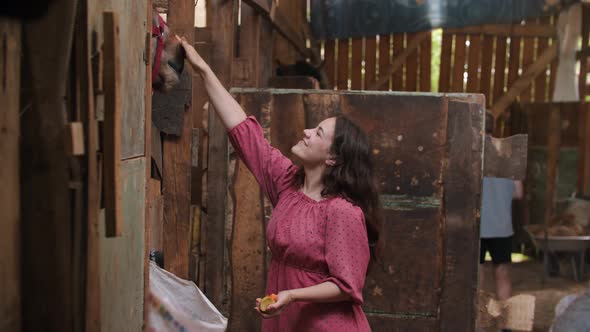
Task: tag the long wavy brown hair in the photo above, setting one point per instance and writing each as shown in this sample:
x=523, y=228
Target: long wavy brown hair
x=352, y=177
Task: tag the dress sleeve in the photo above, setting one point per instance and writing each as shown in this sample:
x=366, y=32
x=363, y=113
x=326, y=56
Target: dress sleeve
x=272, y=170
x=347, y=249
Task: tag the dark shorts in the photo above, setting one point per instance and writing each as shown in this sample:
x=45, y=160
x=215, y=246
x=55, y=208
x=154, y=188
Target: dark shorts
x=500, y=249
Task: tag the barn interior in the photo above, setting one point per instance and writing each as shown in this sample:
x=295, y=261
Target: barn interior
x=104, y=175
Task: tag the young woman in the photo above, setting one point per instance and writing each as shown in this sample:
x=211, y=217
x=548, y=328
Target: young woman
x=325, y=221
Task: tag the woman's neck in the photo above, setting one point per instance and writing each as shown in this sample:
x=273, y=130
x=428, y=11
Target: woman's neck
x=313, y=185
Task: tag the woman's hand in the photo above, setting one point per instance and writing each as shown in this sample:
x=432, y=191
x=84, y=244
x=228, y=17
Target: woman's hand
x=192, y=56
x=284, y=298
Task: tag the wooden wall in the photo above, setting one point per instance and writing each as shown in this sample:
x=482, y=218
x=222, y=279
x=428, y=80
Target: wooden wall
x=10, y=223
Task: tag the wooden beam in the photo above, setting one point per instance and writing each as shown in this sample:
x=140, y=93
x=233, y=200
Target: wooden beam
x=177, y=160
x=282, y=25
x=506, y=157
x=150, y=192
x=553, y=144
x=221, y=16
x=525, y=80
x=10, y=237
x=112, y=126
x=400, y=60
x=508, y=30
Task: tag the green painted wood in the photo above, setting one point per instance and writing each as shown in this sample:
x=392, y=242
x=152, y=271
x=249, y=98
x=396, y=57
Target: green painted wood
x=121, y=259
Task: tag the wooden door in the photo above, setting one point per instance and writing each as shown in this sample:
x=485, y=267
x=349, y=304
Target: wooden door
x=428, y=156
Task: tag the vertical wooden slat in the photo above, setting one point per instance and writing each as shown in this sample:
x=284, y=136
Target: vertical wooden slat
x=444, y=82
x=356, y=65
x=553, y=144
x=499, y=68
x=528, y=58
x=584, y=160
x=330, y=60
x=514, y=61
x=411, y=73
x=486, y=67
x=150, y=192
x=583, y=91
x=342, y=75
x=397, y=79
x=10, y=239
x=384, y=59
x=541, y=80
x=221, y=17
x=473, y=63
x=112, y=126
x=370, y=61
x=458, y=64
x=425, y=63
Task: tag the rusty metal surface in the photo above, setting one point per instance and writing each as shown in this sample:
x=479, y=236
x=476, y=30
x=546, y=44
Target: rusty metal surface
x=411, y=147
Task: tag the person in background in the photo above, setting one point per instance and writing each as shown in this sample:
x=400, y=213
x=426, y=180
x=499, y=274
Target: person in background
x=496, y=226
x=325, y=222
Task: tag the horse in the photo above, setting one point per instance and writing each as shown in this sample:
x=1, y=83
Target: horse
x=167, y=55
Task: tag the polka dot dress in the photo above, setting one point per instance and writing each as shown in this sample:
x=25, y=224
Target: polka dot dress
x=311, y=242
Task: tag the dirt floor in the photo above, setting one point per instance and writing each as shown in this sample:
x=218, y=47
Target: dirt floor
x=527, y=279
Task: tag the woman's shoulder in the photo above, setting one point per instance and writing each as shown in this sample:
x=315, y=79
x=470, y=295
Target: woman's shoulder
x=342, y=206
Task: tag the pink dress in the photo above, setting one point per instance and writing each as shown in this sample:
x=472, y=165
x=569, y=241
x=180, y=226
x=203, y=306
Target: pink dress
x=311, y=242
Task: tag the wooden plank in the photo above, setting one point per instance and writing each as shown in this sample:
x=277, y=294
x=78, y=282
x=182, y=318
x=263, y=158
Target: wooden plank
x=444, y=82
x=370, y=61
x=150, y=192
x=342, y=74
x=525, y=80
x=112, y=125
x=458, y=64
x=583, y=185
x=399, y=61
x=221, y=58
x=473, y=62
x=485, y=81
x=584, y=60
x=553, y=144
x=46, y=239
x=458, y=307
x=356, y=64
x=506, y=157
x=397, y=79
x=411, y=73
x=384, y=60
x=121, y=258
x=425, y=64
x=283, y=25
x=514, y=61
x=541, y=80
x=509, y=30
x=330, y=60
x=528, y=58
x=74, y=138
x=10, y=238
x=499, y=68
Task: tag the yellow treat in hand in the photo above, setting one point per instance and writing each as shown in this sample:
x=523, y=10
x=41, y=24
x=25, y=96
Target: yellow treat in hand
x=266, y=301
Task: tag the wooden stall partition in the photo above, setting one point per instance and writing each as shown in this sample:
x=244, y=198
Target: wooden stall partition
x=556, y=170
x=10, y=223
x=423, y=166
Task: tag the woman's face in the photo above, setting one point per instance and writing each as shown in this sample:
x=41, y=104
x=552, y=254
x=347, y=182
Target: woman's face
x=314, y=148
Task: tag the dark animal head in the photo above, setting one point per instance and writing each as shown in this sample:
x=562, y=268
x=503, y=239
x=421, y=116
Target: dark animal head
x=300, y=68
x=167, y=56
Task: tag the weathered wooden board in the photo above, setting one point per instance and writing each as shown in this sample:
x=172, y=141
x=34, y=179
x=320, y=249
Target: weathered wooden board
x=121, y=261
x=10, y=58
x=413, y=159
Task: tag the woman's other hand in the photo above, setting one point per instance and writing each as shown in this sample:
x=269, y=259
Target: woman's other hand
x=284, y=298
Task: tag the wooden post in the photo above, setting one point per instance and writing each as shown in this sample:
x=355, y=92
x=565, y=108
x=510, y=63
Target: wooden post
x=221, y=16
x=583, y=186
x=177, y=162
x=553, y=143
x=148, y=158
x=112, y=126
x=10, y=300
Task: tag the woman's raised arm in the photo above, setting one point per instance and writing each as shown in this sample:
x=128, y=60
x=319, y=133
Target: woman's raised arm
x=226, y=107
